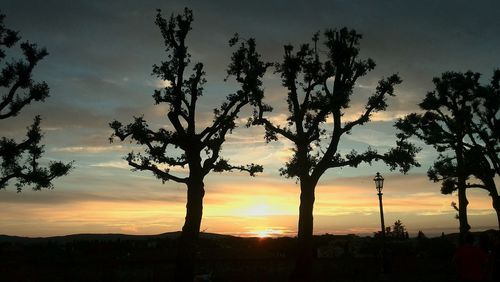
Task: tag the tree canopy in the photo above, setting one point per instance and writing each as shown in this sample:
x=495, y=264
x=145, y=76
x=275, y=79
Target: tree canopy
x=20, y=161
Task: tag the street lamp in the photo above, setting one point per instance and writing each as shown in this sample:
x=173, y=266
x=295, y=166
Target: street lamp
x=379, y=184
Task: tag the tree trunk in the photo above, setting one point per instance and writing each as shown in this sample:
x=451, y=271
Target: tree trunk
x=495, y=198
x=462, y=196
x=188, y=241
x=303, y=264
x=462, y=210
x=491, y=187
x=496, y=206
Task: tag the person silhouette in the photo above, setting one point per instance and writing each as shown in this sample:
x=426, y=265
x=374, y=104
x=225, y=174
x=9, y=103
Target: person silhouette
x=495, y=256
x=471, y=261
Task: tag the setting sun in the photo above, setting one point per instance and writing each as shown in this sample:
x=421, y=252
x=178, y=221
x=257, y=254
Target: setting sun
x=266, y=233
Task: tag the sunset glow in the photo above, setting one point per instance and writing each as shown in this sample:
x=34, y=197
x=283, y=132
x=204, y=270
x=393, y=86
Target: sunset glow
x=153, y=209
x=99, y=70
x=267, y=233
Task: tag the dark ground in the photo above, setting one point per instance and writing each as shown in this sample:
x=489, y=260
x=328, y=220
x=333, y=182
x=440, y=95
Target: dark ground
x=223, y=258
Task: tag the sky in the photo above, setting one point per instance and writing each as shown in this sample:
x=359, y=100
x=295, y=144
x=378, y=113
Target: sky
x=99, y=69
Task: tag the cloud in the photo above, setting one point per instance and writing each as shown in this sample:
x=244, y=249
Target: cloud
x=129, y=228
x=91, y=149
x=158, y=83
x=113, y=164
x=433, y=213
x=63, y=196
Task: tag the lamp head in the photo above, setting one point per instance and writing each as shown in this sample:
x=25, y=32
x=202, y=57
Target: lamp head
x=379, y=182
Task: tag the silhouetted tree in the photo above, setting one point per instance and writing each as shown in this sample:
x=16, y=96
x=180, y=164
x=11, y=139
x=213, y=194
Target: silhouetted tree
x=183, y=145
x=460, y=122
x=481, y=147
x=421, y=235
x=319, y=88
x=20, y=161
x=398, y=231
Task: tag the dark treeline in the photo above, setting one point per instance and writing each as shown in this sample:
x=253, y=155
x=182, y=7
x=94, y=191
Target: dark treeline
x=220, y=258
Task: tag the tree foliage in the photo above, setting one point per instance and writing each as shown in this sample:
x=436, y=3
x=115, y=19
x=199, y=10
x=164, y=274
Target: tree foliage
x=21, y=161
x=182, y=95
x=311, y=100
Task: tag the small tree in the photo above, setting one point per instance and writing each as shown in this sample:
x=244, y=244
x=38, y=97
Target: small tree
x=183, y=144
x=318, y=89
x=398, y=231
x=20, y=161
x=421, y=235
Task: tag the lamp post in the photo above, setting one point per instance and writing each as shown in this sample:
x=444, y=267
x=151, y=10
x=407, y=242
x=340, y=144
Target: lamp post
x=379, y=184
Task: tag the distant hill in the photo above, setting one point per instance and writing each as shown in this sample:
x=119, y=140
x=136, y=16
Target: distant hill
x=104, y=237
x=168, y=235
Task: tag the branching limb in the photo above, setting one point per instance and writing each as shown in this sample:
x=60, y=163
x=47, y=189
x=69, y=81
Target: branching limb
x=223, y=165
x=18, y=75
x=139, y=162
x=377, y=102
